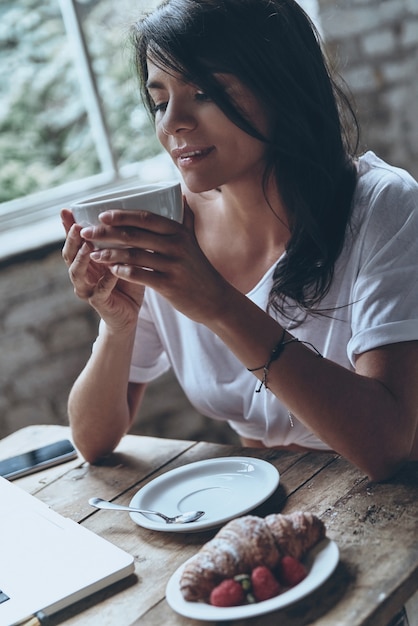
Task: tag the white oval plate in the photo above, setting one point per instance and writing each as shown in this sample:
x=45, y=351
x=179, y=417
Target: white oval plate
x=224, y=488
x=320, y=561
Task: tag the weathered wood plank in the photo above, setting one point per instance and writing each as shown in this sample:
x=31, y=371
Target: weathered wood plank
x=117, y=478
x=374, y=525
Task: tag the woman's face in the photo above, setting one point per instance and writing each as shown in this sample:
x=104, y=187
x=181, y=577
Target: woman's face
x=208, y=149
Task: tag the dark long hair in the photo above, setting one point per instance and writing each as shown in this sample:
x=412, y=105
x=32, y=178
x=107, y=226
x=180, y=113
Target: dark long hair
x=274, y=49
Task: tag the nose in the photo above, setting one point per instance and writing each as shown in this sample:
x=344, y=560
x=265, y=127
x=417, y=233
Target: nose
x=177, y=118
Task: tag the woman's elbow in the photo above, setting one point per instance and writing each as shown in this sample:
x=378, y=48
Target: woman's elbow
x=386, y=466
x=93, y=453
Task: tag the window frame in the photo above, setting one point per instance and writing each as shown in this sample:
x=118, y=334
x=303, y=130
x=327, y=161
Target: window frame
x=32, y=221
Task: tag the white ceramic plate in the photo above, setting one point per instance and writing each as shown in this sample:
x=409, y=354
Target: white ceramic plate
x=320, y=561
x=224, y=488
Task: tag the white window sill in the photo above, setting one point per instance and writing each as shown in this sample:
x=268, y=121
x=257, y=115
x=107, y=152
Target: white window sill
x=32, y=222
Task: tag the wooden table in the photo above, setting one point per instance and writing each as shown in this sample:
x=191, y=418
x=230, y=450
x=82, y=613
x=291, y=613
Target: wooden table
x=374, y=525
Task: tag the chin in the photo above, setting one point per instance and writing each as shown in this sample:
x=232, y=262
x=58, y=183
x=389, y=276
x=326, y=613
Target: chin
x=199, y=187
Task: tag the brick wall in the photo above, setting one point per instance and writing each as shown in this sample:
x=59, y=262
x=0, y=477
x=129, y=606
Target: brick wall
x=46, y=333
x=375, y=46
x=45, y=339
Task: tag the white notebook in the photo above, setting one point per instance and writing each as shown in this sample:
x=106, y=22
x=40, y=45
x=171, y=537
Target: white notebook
x=47, y=561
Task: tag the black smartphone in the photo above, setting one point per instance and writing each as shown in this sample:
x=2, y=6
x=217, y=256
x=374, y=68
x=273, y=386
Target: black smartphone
x=38, y=459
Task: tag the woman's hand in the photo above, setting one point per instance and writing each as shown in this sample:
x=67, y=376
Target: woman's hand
x=162, y=254
x=116, y=301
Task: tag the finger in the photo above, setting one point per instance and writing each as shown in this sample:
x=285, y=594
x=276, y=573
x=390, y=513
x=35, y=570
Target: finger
x=121, y=238
x=132, y=256
x=136, y=275
x=103, y=289
x=73, y=244
x=110, y=237
x=139, y=219
x=83, y=275
x=78, y=270
x=67, y=219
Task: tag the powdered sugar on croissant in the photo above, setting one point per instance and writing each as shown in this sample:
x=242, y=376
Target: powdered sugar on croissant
x=243, y=544
x=239, y=546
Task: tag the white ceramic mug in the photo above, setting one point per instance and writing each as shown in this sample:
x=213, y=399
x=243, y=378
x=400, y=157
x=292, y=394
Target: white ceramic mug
x=162, y=198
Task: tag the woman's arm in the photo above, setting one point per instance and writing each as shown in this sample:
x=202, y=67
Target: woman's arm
x=102, y=404
x=370, y=416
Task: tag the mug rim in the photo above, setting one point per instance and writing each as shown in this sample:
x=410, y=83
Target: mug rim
x=124, y=194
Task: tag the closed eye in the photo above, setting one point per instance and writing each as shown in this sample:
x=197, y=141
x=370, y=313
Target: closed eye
x=159, y=107
x=201, y=96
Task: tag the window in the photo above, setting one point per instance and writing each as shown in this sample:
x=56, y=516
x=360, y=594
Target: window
x=71, y=120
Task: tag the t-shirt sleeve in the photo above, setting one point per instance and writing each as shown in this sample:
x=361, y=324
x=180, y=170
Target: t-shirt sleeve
x=149, y=359
x=385, y=292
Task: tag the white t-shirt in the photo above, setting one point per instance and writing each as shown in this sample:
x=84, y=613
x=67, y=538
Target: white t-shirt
x=373, y=301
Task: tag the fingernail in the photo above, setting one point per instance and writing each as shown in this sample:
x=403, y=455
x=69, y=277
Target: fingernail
x=96, y=256
x=86, y=232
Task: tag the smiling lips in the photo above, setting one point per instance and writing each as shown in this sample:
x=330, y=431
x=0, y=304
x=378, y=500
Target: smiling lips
x=186, y=156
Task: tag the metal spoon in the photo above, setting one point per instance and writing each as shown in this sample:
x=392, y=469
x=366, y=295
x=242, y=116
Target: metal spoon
x=183, y=518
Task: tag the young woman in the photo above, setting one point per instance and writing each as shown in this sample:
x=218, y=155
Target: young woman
x=286, y=301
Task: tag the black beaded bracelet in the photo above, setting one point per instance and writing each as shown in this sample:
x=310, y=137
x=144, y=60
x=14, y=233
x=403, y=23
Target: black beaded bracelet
x=274, y=355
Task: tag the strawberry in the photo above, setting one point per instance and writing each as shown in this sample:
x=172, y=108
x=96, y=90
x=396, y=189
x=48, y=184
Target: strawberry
x=228, y=593
x=291, y=571
x=264, y=584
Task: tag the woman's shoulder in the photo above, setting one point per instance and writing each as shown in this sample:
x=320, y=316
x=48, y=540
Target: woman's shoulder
x=385, y=204
x=375, y=174
x=383, y=189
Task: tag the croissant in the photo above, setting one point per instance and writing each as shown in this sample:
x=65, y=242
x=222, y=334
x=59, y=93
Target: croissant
x=245, y=543
x=296, y=533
